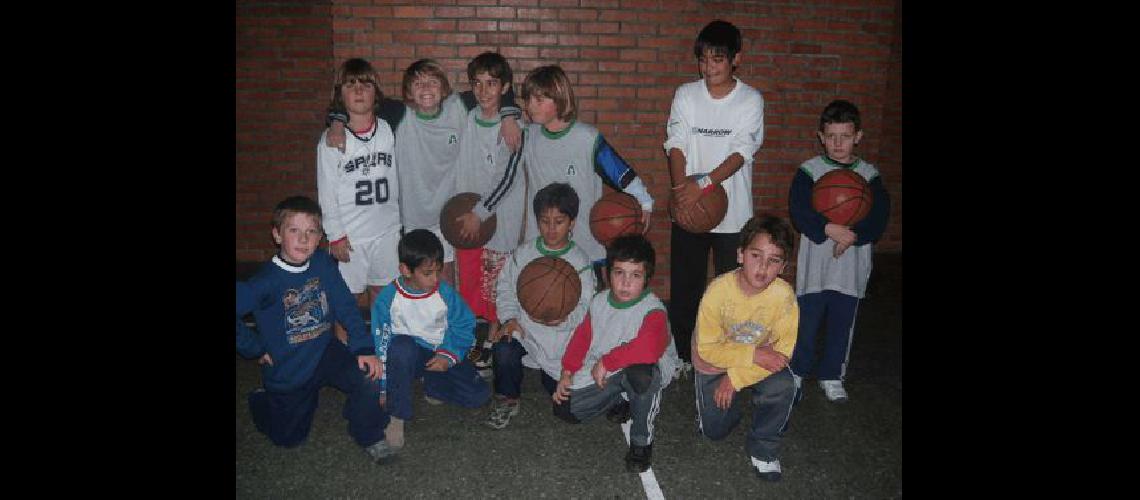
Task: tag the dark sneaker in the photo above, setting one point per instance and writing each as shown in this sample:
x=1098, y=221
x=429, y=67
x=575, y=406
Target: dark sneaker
x=380, y=452
x=501, y=412
x=638, y=457
x=619, y=413
x=768, y=471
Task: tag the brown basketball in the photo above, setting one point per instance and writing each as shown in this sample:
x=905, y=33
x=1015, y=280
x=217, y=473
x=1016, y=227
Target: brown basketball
x=702, y=215
x=615, y=214
x=842, y=196
x=459, y=205
x=548, y=289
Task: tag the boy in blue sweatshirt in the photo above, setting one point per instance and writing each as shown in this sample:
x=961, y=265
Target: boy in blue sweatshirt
x=295, y=299
x=423, y=329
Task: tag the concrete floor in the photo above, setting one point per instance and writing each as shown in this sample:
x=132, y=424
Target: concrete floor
x=851, y=450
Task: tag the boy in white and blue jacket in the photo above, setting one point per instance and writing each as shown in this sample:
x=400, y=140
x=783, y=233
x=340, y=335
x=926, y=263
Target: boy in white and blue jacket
x=423, y=329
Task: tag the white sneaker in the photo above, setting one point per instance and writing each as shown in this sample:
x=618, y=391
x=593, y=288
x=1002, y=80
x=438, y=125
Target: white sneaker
x=432, y=401
x=683, y=371
x=834, y=390
x=768, y=471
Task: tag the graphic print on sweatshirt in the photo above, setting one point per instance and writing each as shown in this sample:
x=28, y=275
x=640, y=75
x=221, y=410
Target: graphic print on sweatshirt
x=305, y=312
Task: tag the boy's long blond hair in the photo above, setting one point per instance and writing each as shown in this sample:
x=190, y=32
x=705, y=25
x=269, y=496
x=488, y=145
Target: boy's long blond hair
x=552, y=82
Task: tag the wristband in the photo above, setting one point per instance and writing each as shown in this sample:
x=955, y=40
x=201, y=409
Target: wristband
x=342, y=238
x=706, y=184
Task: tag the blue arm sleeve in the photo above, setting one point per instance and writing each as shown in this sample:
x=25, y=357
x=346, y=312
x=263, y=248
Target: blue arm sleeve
x=248, y=343
x=806, y=220
x=460, y=335
x=871, y=228
x=343, y=304
x=610, y=166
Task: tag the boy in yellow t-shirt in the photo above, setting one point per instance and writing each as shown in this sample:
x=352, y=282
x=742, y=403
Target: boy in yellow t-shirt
x=746, y=330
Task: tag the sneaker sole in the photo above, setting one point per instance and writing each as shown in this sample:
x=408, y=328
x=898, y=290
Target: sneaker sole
x=771, y=477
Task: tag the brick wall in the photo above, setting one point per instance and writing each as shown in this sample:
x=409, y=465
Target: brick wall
x=625, y=59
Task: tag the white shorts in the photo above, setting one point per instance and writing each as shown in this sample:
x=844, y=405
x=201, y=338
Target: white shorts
x=448, y=250
x=372, y=262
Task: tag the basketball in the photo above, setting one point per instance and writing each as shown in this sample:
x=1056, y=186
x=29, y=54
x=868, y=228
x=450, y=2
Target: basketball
x=459, y=205
x=548, y=289
x=615, y=214
x=702, y=215
x=842, y=196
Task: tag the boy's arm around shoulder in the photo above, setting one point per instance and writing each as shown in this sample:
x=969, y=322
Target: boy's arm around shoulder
x=460, y=336
x=249, y=344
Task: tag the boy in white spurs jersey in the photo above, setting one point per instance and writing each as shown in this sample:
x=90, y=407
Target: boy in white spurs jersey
x=746, y=329
x=488, y=167
x=562, y=149
x=358, y=188
x=621, y=357
x=523, y=341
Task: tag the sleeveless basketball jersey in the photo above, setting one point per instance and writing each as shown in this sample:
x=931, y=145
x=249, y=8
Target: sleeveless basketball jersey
x=566, y=156
x=817, y=269
x=425, y=160
x=486, y=166
x=617, y=324
x=359, y=189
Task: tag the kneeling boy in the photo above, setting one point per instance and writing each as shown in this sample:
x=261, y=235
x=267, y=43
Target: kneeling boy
x=625, y=341
x=746, y=330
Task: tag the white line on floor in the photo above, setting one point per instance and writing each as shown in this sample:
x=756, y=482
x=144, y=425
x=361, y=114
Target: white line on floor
x=648, y=479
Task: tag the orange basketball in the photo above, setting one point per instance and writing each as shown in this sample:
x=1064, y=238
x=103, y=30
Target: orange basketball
x=843, y=196
x=615, y=214
x=548, y=289
x=705, y=214
x=458, y=205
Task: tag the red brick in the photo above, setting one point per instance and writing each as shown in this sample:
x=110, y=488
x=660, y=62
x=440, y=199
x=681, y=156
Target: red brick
x=455, y=38
x=638, y=55
x=518, y=3
x=616, y=41
x=520, y=52
x=477, y=25
x=413, y=37
x=557, y=27
x=412, y=12
x=580, y=40
x=538, y=39
x=462, y=12
x=496, y=38
x=638, y=29
x=558, y=3
x=559, y=53
x=518, y=26
x=576, y=67
x=578, y=14
x=598, y=28
x=538, y=14
x=613, y=66
x=499, y=12
x=372, y=12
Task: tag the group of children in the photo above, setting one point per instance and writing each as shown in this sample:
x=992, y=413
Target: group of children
x=438, y=314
